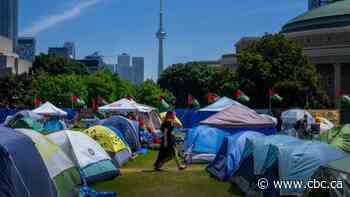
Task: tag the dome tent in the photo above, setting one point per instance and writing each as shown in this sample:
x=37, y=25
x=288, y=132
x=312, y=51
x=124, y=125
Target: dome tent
x=110, y=142
x=22, y=170
x=90, y=157
x=62, y=170
x=338, y=137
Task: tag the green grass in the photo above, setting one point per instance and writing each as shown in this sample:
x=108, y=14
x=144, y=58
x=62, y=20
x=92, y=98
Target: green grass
x=138, y=179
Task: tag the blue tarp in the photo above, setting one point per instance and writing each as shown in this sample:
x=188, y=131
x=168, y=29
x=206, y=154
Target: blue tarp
x=231, y=154
x=128, y=128
x=22, y=170
x=191, y=117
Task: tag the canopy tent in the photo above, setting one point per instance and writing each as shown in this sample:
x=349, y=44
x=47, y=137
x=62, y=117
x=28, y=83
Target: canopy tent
x=22, y=170
x=49, y=109
x=177, y=122
x=110, y=142
x=128, y=128
x=238, y=117
x=145, y=112
x=62, y=170
x=290, y=117
x=338, y=170
x=338, y=137
x=231, y=154
x=87, y=154
x=222, y=104
x=295, y=159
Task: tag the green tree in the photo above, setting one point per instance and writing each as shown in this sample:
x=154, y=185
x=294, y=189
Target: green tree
x=197, y=80
x=16, y=91
x=149, y=93
x=277, y=62
x=57, y=65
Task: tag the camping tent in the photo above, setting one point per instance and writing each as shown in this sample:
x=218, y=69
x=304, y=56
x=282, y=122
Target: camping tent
x=238, y=118
x=230, y=155
x=290, y=117
x=62, y=170
x=202, y=143
x=48, y=109
x=128, y=128
x=222, y=104
x=339, y=171
x=145, y=112
x=22, y=114
x=22, y=170
x=110, y=142
x=338, y=137
x=90, y=157
x=26, y=123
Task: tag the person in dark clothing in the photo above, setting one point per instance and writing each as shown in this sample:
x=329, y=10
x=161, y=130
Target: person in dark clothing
x=167, y=150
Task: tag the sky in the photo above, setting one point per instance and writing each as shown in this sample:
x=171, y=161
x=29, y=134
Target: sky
x=197, y=29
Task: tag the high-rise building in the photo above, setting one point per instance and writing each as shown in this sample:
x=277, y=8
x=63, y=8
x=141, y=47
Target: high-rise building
x=70, y=46
x=318, y=3
x=138, y=67
x=59, y=51
x=93, y=62
x=161, y=35
x=9, y=20
x=123, y=68
x=26, y=48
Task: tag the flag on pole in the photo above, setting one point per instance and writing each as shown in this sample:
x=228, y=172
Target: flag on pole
x=274, y=96
x=37, y=102
x=241, y=96
x=212, y=97
x=74, y=99
x=189, y=99
x=163, y=103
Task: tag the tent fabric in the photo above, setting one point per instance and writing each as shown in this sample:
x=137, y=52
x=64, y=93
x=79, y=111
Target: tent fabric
x=61, y=168
x=86, y=154
x=191, y=117
x=49, y=109
x=338, y=137
x=231, y=154
x=22, y=114
x=53, y=125
x=177, y=122
x=26, y=123
x=104, y=136
x=336, y=170
x=236, y=116
x=128, y=128
x=222, y=104
x=22, y=170
x=290, y=117
x=125, y=105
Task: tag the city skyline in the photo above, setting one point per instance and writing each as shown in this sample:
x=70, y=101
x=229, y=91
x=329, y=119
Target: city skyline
x=102, y=28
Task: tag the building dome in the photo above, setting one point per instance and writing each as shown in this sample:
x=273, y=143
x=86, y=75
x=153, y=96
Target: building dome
x=336, y=14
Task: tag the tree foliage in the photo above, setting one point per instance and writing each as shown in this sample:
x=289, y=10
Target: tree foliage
x=16, y=90
x=277, y=62
x=197, y=80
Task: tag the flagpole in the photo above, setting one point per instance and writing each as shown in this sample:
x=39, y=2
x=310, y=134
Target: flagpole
x=270, y=105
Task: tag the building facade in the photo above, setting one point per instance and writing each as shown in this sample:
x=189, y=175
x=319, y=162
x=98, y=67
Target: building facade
x=9, y=20
x=226, y=61
x=138, y=67
x=124, y=68
x=59, y=51
x=26, y=48
x=318, y=3
x=93, y=62
x=70, y=46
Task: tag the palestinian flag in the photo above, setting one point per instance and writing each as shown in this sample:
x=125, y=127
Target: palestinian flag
x=163, y=103
x=274, y=96
x=212, y=97
x=241, y=96
x=37, y=102
x=191, y=101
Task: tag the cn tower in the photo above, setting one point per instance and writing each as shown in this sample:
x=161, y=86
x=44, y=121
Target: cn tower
x=161, y=35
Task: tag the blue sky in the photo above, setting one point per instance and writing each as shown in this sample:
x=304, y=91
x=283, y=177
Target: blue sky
x=197, y=29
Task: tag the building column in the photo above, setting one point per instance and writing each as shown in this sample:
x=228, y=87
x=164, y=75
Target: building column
x=337, y=83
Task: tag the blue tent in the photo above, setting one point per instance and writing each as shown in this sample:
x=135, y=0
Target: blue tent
x=231, y=154
x=128, y=128
x=53, y=124
x=22, y=170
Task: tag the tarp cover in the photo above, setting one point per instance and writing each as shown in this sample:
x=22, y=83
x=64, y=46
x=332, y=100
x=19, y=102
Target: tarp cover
x=231, y=154
x=236, y=116
x=22, y=170
x=222, y=104
x=49, y=109
x=338, y=137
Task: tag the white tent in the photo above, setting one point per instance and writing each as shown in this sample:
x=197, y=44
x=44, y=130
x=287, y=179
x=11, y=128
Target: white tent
x=222, y=104
x=290, y=117
x=126, y=105
x=49, y=109
x=85, y=152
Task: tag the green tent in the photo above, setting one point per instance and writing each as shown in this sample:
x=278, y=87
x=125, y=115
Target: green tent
x=338, y=137
x=336, y=172
x=27, y=123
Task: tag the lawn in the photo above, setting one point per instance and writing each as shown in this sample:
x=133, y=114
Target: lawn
x=139, y=180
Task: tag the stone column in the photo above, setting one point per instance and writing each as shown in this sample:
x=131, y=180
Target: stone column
x=337, y=83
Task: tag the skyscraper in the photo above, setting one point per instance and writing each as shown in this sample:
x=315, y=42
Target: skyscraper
x=138, y=67
x=26, y=48
x=70, y=46
x=123, y=68
x=161, y=35
x=9, y=20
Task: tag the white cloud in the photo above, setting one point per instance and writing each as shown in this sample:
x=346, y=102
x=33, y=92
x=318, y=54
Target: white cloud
x=51, y=20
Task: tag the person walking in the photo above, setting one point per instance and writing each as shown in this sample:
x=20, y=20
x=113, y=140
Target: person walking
x=167, y=150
